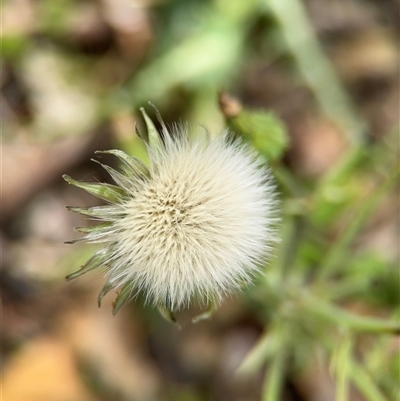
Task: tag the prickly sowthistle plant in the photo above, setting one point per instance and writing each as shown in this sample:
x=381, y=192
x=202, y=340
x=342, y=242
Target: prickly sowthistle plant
x=196, y=224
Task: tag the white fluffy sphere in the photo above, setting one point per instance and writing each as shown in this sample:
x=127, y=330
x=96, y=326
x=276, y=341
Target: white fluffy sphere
x=198, y=224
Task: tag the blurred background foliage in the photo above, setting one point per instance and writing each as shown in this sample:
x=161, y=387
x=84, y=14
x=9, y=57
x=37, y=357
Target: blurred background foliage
x=318, y=83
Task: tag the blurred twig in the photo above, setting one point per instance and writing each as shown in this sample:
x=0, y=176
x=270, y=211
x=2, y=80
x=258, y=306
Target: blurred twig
x=275, y=376
x=338, y=252
x=315, y=67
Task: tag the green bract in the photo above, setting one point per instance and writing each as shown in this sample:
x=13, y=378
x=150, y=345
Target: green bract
x=112, y=194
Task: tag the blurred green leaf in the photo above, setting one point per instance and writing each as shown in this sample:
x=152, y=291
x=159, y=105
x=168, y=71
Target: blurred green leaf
x=261, y=128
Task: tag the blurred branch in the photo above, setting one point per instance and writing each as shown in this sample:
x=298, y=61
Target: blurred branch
x=315, y=67
x=338, y=252
x=274, y=378
x=261, y=352
x=342, y=368
x=365, y=383
x=345, y=319
x=287, y=181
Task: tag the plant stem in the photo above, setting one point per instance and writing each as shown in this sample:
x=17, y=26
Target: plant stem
x=261, y=352
x=342, y=369
x=274, y=378
x=340, y=171
x=338, y=252
x=348, y=320
x=292, y=230
x=316, y=67
x=365, y=383
x=286, y=179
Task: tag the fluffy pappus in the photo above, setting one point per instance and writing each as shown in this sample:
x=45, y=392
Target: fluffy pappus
x=197, y=224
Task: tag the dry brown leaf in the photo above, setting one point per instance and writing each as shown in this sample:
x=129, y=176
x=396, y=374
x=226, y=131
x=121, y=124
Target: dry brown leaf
x=43, y=370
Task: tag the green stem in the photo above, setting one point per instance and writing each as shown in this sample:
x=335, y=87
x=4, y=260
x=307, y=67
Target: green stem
x=340, y=171
x=262, y=351
x=292, y=234
x=348, y=320
x=338, y=252
x=274, y=379
x=343, y=289
x=316, y=67
x=342, y=369
x=285, y=178
x=365, y=383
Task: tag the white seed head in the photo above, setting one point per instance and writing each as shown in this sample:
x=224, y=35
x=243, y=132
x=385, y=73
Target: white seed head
x=198, y=225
